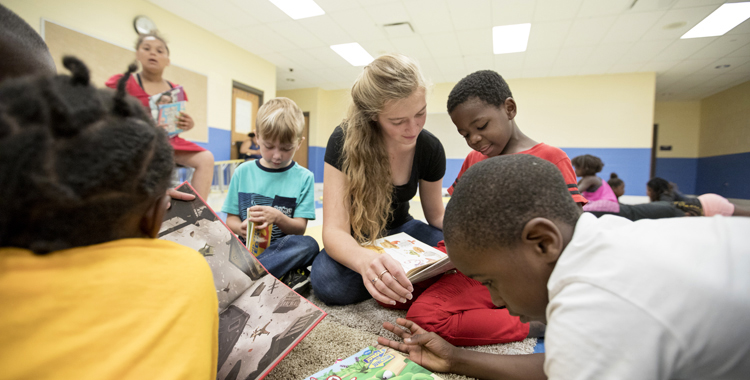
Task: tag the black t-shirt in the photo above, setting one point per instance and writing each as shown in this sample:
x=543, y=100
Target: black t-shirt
x=428, y=164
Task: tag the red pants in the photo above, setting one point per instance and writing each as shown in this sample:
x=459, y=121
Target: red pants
x=460, y=310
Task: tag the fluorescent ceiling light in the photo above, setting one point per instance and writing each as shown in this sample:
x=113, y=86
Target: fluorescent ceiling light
x=353, y=53
x=510, y=38
x=298, y=9
x=722, y=20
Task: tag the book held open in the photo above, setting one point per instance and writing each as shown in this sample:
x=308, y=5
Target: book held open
x=419, y=260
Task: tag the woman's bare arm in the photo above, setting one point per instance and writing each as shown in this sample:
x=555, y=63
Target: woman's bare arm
x=431, y=195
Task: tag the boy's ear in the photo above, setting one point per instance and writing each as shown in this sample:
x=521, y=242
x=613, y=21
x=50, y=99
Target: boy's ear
x=544, y=238
x=511, y=108
x=152, y=218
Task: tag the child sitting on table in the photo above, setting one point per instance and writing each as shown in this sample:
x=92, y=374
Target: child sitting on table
x=456, y=307
x=277, y=191
x=653, y=299
x=87, y=291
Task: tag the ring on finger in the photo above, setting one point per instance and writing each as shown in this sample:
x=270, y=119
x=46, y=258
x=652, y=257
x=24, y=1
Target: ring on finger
x=374, y=280
x=380, y=276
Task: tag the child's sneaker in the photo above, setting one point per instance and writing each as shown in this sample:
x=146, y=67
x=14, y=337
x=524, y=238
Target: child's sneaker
x=298, y=280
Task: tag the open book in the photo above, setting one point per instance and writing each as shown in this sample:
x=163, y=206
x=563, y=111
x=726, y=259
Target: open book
x=375, y=362
x=166, y=108
x=419, y=260
x=260, y=318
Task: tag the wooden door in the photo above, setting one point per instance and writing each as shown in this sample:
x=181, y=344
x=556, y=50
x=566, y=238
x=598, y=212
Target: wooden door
x=245, y=103
x=301, y=156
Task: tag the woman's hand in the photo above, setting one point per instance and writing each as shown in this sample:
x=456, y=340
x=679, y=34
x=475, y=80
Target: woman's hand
x=185, y=122
x=386, y=281
x=426, y=349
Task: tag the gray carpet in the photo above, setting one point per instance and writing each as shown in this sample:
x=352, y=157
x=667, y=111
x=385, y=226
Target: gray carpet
x=348, y=329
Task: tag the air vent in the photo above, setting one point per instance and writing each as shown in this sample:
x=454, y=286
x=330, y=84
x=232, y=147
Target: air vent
x=398, y=29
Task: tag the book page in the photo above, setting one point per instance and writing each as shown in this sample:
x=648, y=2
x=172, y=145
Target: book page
x=410, y=252
x=375, y=362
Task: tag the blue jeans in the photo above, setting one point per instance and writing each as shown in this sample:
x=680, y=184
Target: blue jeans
x=336, y=284
x=289, y=253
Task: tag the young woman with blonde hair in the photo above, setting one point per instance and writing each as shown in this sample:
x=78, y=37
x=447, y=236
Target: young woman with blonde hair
x=374, y=163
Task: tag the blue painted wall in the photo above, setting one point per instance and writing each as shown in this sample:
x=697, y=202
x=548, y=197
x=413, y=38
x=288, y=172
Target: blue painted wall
x=316, y=161
x=681, y=171
x=219, y=143
x=727, y=175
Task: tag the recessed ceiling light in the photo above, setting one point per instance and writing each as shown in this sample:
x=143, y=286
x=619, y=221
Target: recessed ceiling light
x=722, y=20
x=722, y=67
x=290, y=79
x=353, y=53
x=510, y=38
x=298, y=9
x=675, y=25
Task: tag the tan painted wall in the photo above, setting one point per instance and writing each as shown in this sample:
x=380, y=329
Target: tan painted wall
x=679, y=126
x=191, y=47
x=725, y=122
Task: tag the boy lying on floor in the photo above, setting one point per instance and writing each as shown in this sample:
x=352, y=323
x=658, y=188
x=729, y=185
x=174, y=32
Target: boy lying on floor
x=654, y=299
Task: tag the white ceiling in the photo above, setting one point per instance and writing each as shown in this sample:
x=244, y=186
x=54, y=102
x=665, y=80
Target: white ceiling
x=453, y=38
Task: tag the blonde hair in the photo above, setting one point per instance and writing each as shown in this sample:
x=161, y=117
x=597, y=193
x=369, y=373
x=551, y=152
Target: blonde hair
x=280, y=119
x=365, y=164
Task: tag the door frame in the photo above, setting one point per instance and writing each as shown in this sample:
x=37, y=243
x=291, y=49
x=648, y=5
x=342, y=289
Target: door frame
x=249, y=89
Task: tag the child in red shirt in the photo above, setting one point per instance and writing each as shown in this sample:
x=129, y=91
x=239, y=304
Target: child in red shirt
x=458, y=308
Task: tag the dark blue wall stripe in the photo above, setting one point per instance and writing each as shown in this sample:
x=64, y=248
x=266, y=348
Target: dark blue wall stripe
x=681, y=171
x=728, y=175
x=316, y=161
x=219, y=143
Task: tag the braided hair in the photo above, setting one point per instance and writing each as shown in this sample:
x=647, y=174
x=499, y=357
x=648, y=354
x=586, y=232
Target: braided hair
x=75, y=161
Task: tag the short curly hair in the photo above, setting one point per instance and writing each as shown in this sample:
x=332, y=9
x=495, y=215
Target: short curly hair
x=486, y=85
x=499, y=195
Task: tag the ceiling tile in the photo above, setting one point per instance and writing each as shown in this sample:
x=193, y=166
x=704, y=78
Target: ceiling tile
x=690, y=16
x=695, y=3
x=191, y=13
x=598, y=8
x=554, y=10
x=511, y=61
x=743, y=28
x=326, y=30
x=294, y=32
x=513, y=74
x=269, y=37
x=437, y=20
x=442, y=44
x=451, y=66
x=597, y=69
x=229, y=13
x=630, y=27
x=358, y=24
x=337, y=5
x=388, y=13
x=722, y=46
x=535, y=72
x=241, y=38
x=586, y=32
x=644, y=51
x=412, y=47
x=470, y=14
x=262, y=10
x=378, y=47
x=475, y=42
x=564, y=71
x=303, y=59
x=682, y=49
x=430, y=70
x=326, y=55
x=734, y=63
x=625, y=68
x=281, y=62
x=658, y=66
x=510, y=12
x=744, y=51
x=608, y=54
x=573, y=56
x=453, y=77
x=689, y=66
x=541, y=57
x=741, y=69
x=547, y=35
x=730, y=80
x=479, y=62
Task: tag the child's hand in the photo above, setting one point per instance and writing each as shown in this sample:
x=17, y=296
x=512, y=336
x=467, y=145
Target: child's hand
x=163, y=126
x=185, y=122
x=243, y=229
x=426, y=349
x=263, y=216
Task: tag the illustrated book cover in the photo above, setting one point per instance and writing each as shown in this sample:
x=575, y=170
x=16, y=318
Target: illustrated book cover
x=419, y=260
x=258, y=238
x=375, y=362
x=260, y=318
x=169, y=116
x=166, y=107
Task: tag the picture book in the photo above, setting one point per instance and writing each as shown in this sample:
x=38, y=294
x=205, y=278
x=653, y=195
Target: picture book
x=169, y=116
x=419, y=260
x=164, y=112
x=260, y=318
x=258, y=239
x=375, y=362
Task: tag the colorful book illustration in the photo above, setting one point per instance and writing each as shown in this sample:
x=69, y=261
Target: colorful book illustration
x=164, y=110
x=258, y=239
x=419, y=260
x=169, y=117
x=260, y=318
x=375, y=362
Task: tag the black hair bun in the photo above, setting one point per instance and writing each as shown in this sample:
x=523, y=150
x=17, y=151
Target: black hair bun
x=613, y=176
